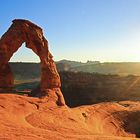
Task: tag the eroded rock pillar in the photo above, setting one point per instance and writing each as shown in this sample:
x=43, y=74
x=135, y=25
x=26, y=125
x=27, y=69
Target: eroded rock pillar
x=9, y=43
x=6, y=78
x=49, y=76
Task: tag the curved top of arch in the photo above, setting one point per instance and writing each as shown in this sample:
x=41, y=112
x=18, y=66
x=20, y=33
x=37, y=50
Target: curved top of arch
x=24, y=31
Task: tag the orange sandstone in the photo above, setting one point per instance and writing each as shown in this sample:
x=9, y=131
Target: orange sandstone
x=24, y=31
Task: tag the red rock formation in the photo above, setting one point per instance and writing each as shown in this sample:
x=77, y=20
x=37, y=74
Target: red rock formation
x=25, y=31
x=27, y=118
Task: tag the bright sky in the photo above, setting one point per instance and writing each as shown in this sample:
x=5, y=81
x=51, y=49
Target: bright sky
x=80, y=30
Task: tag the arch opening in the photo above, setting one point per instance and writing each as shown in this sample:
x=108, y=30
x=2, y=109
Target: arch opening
x=25, y=66
x=24, y=54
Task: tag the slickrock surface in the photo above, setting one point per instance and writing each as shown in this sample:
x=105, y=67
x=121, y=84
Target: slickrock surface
x=31, y=118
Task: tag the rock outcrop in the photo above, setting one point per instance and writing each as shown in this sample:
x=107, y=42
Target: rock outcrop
x=24, y=31
x=27, y=118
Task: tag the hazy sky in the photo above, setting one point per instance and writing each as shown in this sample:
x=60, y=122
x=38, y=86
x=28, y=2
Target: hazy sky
x=104, y=30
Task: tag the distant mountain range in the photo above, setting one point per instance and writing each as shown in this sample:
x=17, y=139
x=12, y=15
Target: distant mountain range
x=120, y=68
x=32, y=70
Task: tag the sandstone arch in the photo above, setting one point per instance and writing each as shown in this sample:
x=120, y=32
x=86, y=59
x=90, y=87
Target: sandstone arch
x=25, y=31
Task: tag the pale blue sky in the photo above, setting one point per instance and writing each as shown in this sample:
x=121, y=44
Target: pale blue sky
x=104, y=30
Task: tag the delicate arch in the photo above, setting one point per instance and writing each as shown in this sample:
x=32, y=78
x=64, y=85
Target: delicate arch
x=25, y=31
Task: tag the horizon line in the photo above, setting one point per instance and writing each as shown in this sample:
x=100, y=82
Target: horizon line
x=79, y=61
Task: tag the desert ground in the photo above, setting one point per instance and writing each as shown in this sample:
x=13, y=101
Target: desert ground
x=29, y=118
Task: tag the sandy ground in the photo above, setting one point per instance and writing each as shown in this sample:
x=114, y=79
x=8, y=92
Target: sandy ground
x=27, y=118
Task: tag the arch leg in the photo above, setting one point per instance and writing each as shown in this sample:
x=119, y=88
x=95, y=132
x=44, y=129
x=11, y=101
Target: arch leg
x=6, y=78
